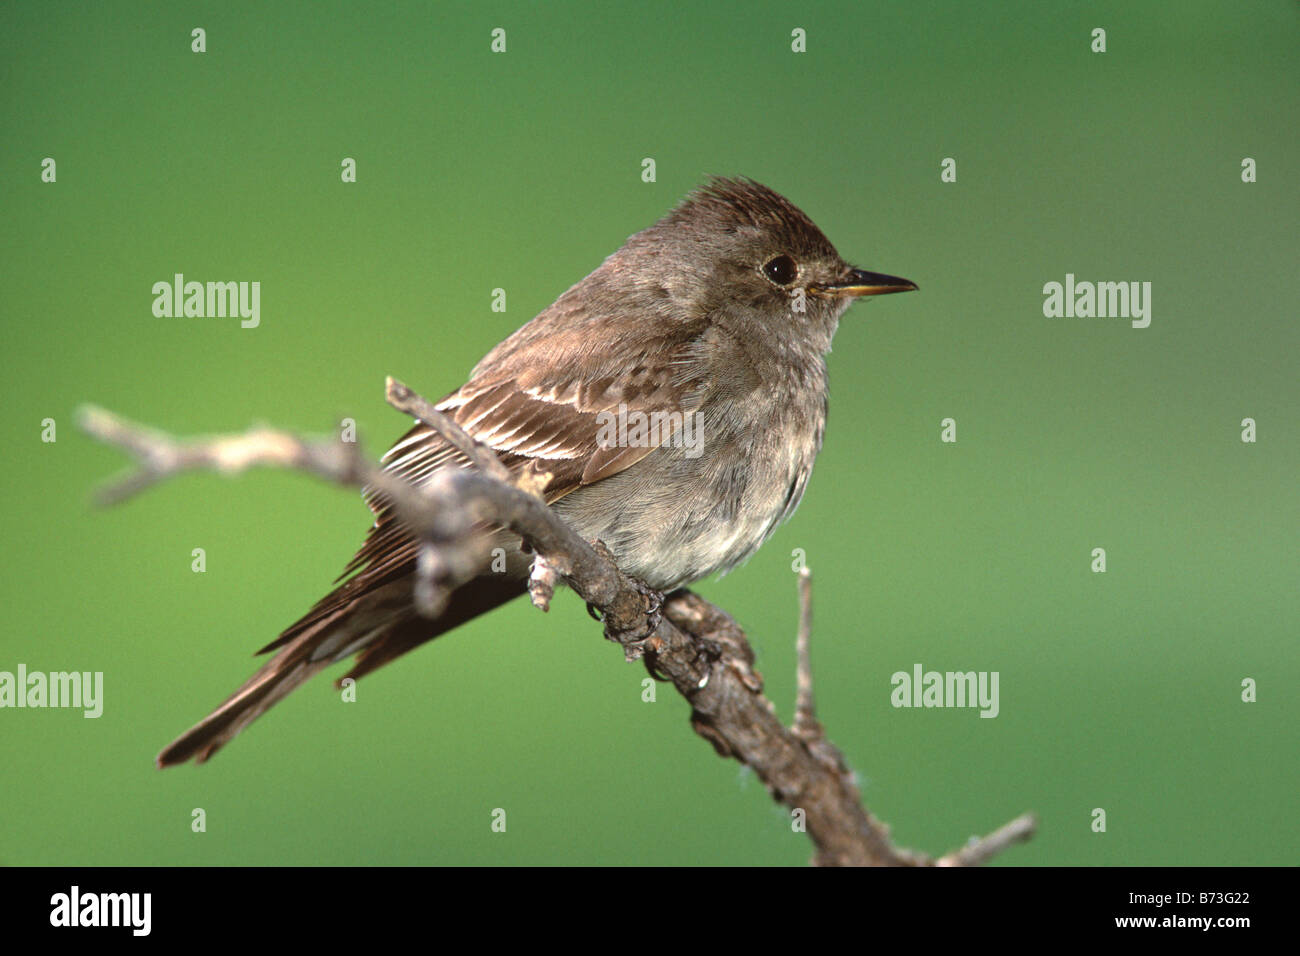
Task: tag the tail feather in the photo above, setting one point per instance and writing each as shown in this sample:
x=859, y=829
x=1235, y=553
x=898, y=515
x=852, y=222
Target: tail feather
x=472, y=599
x=378, y=628
x=272, y=682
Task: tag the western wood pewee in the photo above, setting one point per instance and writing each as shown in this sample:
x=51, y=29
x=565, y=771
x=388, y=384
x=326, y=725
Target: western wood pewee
x=711, y=326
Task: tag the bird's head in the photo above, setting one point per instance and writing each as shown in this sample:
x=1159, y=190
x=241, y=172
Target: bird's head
x=735, y=243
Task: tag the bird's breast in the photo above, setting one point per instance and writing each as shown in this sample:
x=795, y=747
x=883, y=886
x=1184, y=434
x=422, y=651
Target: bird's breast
x=687, y=511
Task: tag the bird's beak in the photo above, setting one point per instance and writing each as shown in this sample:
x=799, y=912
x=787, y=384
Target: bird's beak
x=859, y=283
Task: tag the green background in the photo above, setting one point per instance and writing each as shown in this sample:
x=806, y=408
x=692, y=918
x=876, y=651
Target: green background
x=522, y=171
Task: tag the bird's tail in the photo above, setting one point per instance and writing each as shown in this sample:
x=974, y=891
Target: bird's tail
x=378, y=626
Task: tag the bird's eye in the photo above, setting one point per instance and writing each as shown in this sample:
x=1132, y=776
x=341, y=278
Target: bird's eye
x=782, y=270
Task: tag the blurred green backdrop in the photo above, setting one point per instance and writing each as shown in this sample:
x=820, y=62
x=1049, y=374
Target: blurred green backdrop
x=522, y=171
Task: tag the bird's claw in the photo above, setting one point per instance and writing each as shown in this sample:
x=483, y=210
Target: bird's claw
x=639, y=640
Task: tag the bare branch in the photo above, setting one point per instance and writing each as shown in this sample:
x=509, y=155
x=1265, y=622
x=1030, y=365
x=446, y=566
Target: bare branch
x=982, y=849
x=805, y=712
x=683, y=639
x=160, y=456
x=440, y=514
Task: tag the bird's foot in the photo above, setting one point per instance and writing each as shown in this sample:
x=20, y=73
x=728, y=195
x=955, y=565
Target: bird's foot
x=654, y=604
x=635, y=629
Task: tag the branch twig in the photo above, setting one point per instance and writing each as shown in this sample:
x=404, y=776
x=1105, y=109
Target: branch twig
x=982, y=849
x=402, y=398
x=805, y=723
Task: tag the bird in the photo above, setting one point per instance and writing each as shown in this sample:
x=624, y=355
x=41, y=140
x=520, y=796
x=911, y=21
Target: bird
x=716, y=318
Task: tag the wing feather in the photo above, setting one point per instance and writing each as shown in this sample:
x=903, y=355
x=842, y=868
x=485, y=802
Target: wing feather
x=543, y=416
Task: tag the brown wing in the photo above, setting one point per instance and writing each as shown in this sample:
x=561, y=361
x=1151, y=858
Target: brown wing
x=542, y=416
